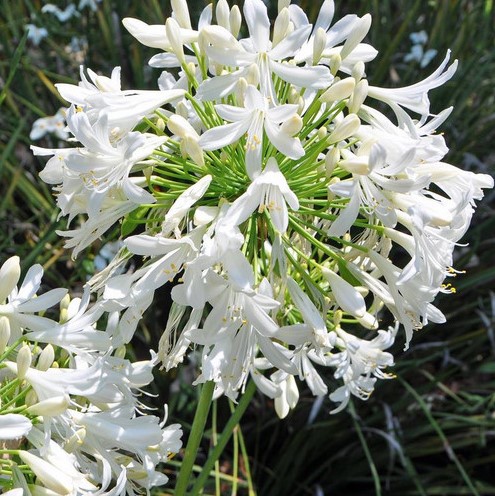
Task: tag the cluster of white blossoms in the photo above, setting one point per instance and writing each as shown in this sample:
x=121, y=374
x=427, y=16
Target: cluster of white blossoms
x=70, y=420
x=292, y=216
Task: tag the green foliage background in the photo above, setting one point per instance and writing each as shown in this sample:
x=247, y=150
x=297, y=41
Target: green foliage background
x=429, y=431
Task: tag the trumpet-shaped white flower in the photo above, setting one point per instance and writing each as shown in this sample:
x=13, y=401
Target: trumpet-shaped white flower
x=255, y=117
x=257, y=51
x=268, y=191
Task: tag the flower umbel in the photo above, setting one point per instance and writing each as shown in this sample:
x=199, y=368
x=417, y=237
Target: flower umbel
x=272, y=194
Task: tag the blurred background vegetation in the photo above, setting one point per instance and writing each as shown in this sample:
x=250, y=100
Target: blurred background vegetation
x=428, y=432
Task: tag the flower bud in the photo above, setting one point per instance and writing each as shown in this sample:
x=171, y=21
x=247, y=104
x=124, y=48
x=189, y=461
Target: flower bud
x=222, y=13
x=9, y=277
x=190, y=146
x=253, y=75
x=357, y=35
x=180, y=126
x=181, y=13
x=46, y=358
x=160, y=124
x=31, y=398
x=50, y=407
x=283, y=4
x=64, y=308
x=339, y=90
x=331, y=159
x=322, y=132
x=49, y=475
x=24, y=358
x=345, y=128
x=346, y=295
x=358, y=70
x=4, y=333
x=175, y=39
x=335, y=62
x=358, y=96
x=235, y=20
x=319, y=44
x=120, y=351
x=292, y=126
x=281, y=26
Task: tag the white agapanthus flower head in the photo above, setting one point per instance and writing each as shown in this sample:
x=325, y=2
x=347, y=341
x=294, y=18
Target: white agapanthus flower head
x=291, y=216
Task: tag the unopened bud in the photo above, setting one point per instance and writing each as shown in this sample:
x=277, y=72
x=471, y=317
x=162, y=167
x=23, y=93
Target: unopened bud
x=121, y=351
x=235, y=20
x=331, y=159
x=172, y=29
x=160, y=124
x=9, y=276
x=46, y=358
x=31, y=398
x=345, y=294
x=4, y=333
x=358, y=70
x=181, y=13
x=319, y=44
x=294, y=95
x=322, y=132
x=357, y=35
x=49, y=475
x=64, y=308
x=240, y=90
x=191, y=147
x=330, y=193
x=180, y=126
x=222, y=13
x=292, y=126
x=358, y=96
x=345, y=128
x=50, y=407
x=253, y=75
x=281, y=26
x=339, y=90
x=335, y=62
x=24, y=358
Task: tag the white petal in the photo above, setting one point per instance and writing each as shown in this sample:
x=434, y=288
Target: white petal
x=317, y=77
x=231, y=113
x=291, y=44
x=14, y=426
x=256, y=15
x=289, y=146
x=43, y=301
x=218, y=137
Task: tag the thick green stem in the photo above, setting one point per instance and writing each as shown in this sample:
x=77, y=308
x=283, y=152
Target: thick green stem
x=224, y=438
x=195, y=437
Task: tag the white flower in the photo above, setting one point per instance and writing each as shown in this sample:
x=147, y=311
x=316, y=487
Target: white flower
x=36, y=34
x=257, y=51
x=269, y=191
x=50, y=124
x=415, y=96
x=253, y=119
x=103, y=164
x=19, y=306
